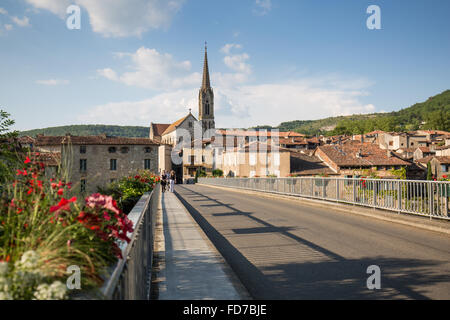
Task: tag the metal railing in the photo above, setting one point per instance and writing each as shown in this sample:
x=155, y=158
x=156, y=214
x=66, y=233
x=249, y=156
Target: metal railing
x=131, y=277
x=425, y=198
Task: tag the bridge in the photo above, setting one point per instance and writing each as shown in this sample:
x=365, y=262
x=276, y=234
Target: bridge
x=270, y=244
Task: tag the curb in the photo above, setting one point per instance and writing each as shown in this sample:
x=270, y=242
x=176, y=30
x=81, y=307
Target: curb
x=440, y=226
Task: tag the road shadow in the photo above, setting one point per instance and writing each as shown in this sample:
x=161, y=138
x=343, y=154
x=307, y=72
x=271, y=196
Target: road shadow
x=335, y=278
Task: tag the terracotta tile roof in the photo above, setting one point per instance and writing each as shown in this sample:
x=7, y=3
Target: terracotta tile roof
x=91, y=140
x=306, y=165
x=255, y=133
x=375, y=132
x=370, y=155
x=50, y=159
x=175, y=125
x=425, y=159
x=443, y=159
x=159, y=128
x=26, y=139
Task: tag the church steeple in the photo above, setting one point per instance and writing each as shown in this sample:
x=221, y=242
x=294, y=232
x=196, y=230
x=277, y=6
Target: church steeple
x=206, y=99
x=206, y=83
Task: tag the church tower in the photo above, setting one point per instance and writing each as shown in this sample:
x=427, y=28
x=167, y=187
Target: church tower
x=206, y=99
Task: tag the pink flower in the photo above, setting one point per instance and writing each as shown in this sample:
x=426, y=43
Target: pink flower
x=106, y=202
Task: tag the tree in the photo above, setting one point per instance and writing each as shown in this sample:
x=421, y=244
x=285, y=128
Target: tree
x=9, y=148
x=429, y=172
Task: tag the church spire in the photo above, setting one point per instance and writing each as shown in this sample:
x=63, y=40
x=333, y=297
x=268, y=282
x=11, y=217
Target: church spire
x=206, y=83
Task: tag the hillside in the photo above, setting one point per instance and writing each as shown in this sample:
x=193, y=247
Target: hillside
x=431, y=114
x=86, y=130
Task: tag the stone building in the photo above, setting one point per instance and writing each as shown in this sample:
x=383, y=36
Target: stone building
x=95, y=161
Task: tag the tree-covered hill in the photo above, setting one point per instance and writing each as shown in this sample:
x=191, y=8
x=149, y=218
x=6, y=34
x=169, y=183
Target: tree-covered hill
x=431, y=114
x=86, y=130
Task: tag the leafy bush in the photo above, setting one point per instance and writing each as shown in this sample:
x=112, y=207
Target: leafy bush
x=43, y=231
x=217, y=173
x=128, y=190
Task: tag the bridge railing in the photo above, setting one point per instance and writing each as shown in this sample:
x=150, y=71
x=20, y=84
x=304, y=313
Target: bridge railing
x=426, y=198
x=130, y=278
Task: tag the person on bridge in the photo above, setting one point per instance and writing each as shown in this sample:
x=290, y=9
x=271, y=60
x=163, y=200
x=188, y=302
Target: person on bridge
x=172, y=180
x=163, y=181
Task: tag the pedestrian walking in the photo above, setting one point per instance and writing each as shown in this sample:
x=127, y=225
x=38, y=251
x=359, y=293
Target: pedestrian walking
x=163, y=181
x=172, y=180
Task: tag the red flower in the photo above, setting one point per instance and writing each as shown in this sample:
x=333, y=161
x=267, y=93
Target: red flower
x=63, y=205
x=60, y=192
x=27, y=160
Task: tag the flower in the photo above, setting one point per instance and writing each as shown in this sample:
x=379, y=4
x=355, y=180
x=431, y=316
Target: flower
x=63, y=205
x=99, y=200
x=27, y=160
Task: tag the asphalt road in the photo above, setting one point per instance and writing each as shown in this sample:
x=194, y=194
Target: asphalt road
x=286, y=250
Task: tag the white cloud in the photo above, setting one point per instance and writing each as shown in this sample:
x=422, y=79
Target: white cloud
x=52, y=82
x=8, y=27
x=163, y=108
x=24, y=22
x=263, y=6
x=238, y=102
x=154, y=70
x=119, y=18
x=57, y=7
x=3, y=11
x=229, y=46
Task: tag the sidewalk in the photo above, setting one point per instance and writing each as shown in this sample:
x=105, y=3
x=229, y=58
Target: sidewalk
x=188, y=266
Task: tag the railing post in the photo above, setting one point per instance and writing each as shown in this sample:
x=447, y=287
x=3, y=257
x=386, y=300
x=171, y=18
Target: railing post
x=374, y=188
x=337, y=189
x=430, y=199
x=399, y=196
x=354, y=191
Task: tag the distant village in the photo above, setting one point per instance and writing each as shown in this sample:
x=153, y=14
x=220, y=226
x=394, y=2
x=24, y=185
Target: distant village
x=94, y=161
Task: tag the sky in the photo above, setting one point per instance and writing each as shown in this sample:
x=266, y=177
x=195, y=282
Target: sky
x=133, y=62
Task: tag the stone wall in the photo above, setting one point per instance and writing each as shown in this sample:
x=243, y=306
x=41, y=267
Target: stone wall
x=98, y=171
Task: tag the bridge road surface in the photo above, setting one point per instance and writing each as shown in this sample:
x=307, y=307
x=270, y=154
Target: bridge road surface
x=283, y=249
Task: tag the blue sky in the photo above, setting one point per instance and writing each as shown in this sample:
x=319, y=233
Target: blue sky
x=139, y=61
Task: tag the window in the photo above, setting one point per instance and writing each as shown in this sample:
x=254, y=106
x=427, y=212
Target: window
x=147, y=164
x=124, y=149
x=148, y=149
x=112, y=149
x=203, y=159
x=192, y=160
x=82, y=149
x=83, y=185
x=443, y=168
x=113, y=164
x=190, y=124
x=83, y=165
x=207, y=108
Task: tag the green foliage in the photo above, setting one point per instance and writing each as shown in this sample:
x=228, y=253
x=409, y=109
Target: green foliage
x=433, y=114
x=87, y=130
x=399, y=173
x=9, y=148
x=128, y=190
x=429, y=172
x=217, y=173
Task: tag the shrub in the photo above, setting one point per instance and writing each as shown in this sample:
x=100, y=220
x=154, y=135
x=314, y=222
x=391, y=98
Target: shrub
x=217, y=173
x=128, y=190
x=43, y=231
